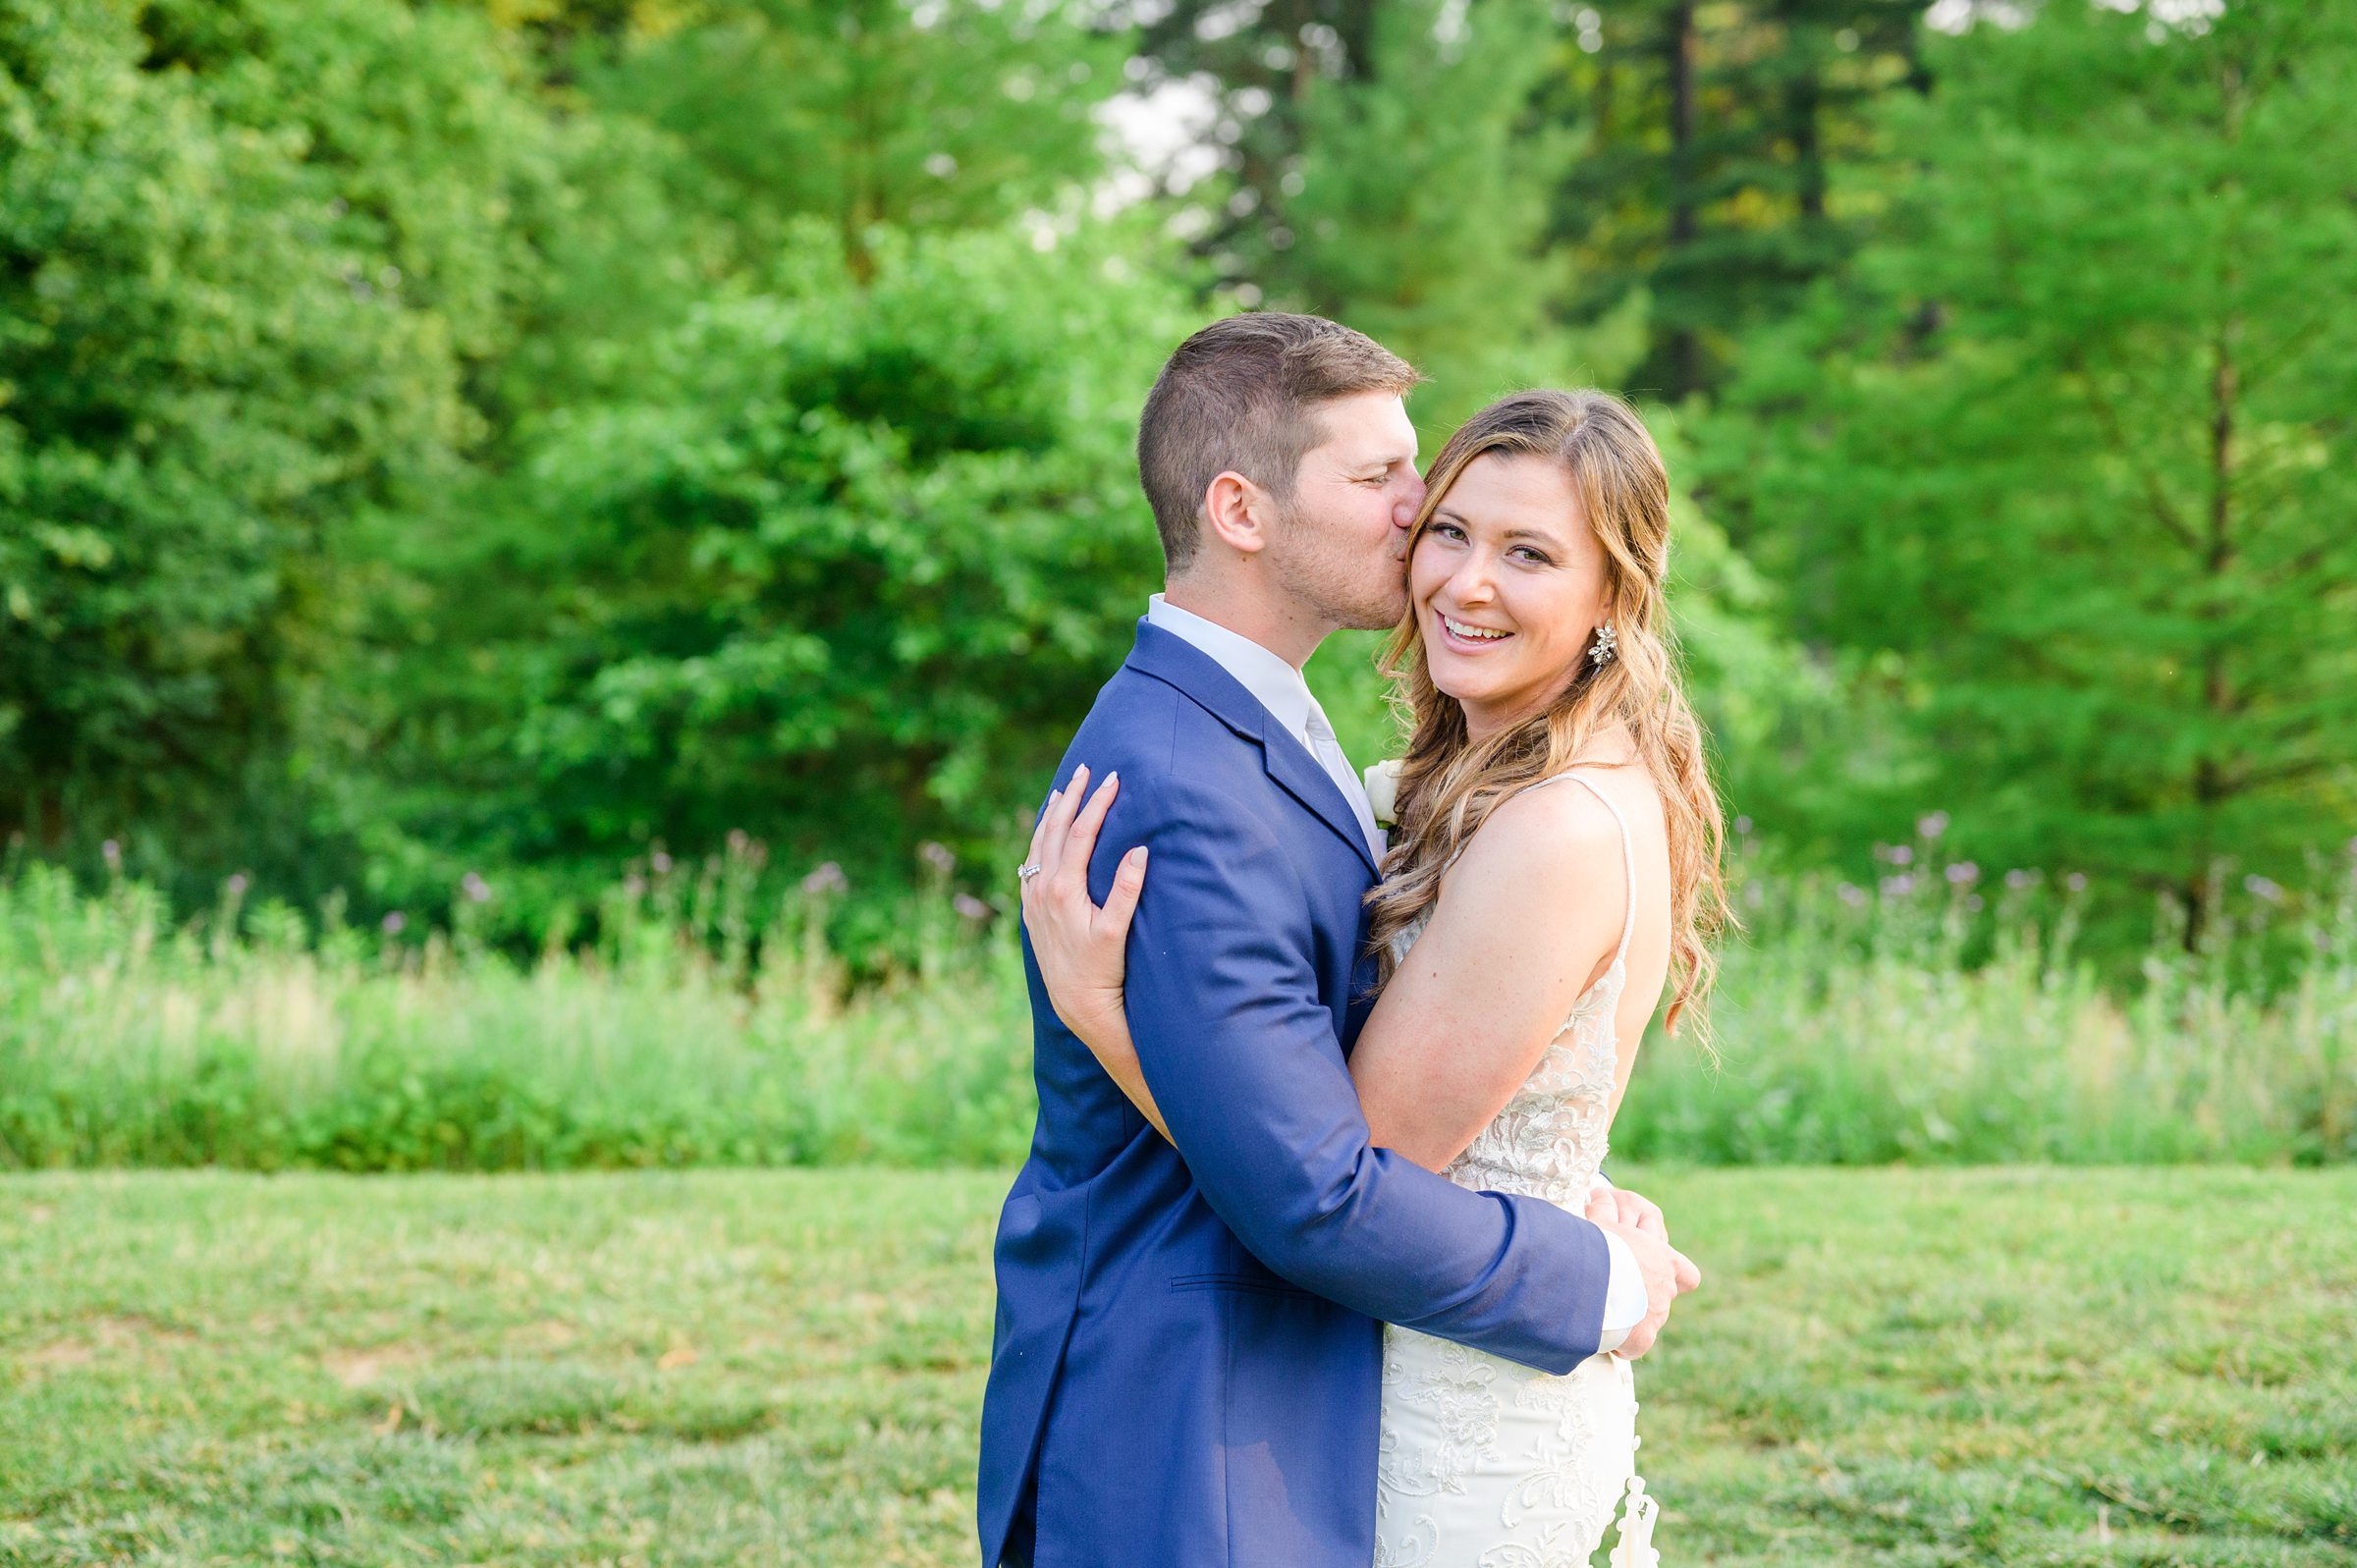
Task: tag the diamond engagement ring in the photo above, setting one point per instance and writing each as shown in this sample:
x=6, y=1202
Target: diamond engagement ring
x=1025, y=873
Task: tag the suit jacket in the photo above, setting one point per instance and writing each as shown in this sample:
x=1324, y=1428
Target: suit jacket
x=1185, y=1367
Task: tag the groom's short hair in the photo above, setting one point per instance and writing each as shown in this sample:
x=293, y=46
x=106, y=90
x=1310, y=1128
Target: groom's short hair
x=1243, y=395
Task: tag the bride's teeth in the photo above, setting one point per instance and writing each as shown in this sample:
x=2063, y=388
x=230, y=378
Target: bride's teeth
x=1470, y=633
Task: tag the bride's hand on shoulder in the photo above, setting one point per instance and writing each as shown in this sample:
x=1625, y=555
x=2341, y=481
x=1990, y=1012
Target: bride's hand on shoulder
x=1079, y=945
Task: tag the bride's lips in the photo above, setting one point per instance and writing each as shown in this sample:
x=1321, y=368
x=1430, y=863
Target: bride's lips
x=1467, y=645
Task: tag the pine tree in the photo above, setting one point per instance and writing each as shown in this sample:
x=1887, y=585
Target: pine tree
x=1416, y=209
x=2074, y=444
x=1703, y=183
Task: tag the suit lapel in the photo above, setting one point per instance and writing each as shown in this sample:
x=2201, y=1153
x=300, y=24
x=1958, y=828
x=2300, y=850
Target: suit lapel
x=1298, y=775
x=1176, y=662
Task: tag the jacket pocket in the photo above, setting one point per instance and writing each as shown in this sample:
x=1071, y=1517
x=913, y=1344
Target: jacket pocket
x=1257, y=1284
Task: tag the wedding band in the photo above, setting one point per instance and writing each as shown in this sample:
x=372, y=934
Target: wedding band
x=1025, y=873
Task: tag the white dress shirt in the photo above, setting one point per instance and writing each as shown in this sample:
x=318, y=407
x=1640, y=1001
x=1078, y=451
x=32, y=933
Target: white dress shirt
x=1278, y=687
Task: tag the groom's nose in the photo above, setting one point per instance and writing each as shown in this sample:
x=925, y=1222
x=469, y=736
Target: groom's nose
x=1403, y=512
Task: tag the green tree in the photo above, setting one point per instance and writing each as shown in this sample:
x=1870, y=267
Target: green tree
x=840, y=572
x=1427, y=229
x=209, y=364
x=946, y=114
x=1258, y=65
x=2070, y=452
x=1705, y=182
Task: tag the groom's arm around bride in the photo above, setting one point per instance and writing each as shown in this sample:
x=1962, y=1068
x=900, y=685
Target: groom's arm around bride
x=1244, y=1055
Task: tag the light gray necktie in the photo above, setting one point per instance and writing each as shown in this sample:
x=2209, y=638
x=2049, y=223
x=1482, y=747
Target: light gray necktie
x=1328, y=752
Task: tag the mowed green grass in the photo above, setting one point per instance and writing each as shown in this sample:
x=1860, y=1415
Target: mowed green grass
x=1886, y=1366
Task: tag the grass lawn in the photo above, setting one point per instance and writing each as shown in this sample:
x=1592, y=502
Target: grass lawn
x=1887, y=1366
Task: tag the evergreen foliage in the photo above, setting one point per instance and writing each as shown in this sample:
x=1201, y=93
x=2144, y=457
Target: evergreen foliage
x=1417, y=208
x=2069, y=452
x=1704, y=189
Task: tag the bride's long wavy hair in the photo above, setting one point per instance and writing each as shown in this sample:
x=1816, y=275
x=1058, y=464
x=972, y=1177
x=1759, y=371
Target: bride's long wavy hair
x=1448, y=784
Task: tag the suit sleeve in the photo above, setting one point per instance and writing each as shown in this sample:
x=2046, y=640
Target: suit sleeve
x=1240, y=1053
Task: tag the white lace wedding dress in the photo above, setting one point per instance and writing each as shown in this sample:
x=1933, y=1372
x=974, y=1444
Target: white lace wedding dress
x=1485, y=1463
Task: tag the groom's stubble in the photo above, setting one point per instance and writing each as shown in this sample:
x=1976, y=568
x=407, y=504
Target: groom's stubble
x=1336, y=551
x=1335, y=577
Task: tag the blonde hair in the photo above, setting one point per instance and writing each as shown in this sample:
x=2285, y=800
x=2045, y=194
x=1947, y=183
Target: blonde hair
x=1448, y=784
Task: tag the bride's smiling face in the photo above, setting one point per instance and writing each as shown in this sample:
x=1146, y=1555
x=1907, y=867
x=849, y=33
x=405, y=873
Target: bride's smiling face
x=1508, y=582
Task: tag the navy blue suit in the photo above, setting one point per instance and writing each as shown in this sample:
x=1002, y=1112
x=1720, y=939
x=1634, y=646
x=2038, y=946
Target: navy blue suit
x=1185, y=1369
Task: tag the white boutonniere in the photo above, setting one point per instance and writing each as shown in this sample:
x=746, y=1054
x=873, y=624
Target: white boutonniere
x=1383, y=791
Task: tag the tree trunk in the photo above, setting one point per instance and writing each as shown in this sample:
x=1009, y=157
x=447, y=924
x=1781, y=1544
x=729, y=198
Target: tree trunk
x=2213, y=781
x=1686, y=354
x=1808, y=158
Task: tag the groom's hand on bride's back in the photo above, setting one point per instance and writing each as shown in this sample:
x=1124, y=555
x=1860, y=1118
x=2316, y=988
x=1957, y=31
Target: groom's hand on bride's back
x=1668, y=1274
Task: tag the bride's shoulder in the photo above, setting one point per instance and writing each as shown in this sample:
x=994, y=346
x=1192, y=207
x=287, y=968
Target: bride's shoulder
x=1539, y=834
x=1526, y=877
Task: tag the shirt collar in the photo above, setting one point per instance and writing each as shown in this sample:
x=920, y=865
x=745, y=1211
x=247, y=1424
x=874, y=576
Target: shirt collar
x=1274, y=684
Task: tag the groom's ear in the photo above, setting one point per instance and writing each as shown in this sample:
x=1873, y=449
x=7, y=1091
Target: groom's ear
x=1236, y=514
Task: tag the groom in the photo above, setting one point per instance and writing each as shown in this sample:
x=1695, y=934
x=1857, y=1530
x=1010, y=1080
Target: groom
x=1186, y=1363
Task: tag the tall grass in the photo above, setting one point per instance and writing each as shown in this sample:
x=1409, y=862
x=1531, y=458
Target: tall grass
x=251, y=1039
x=1916, y=1021
x=1928, y=1022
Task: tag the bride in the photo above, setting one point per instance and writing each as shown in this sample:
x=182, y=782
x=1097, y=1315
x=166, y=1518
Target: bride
x=1556, y=870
